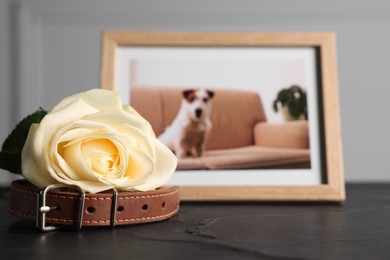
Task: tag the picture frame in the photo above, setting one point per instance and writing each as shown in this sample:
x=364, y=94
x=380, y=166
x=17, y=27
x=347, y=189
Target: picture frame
x=318, y=49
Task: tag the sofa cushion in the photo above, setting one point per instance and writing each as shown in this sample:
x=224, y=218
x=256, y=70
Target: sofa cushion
x=234, y=113
x=250, y=157
x=294, y=134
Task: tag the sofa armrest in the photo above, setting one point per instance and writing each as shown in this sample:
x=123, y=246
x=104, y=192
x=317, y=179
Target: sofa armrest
x=286, y=135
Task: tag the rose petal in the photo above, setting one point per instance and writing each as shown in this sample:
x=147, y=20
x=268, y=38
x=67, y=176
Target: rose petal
x=125, y=123
x=91, y=141
x=165, y=166
x=61, y=167
x=53, y=122
x=32, y=168
x=73, y=156
x=36, y=149
x=101, y=99
x=135, y=114
x=118, y=118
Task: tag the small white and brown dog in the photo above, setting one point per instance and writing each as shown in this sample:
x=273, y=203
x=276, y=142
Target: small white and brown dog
x=188, y=133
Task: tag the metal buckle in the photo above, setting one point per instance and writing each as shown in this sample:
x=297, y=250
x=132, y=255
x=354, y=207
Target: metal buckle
x=113, y=208
x=42, y=208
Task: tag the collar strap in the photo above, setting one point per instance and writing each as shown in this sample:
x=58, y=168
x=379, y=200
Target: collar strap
x=64, y=206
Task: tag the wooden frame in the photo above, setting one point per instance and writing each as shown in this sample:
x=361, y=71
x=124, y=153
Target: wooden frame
x=333, y=188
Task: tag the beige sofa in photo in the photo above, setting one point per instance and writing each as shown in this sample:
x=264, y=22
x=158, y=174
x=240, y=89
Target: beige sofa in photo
x=240, y=137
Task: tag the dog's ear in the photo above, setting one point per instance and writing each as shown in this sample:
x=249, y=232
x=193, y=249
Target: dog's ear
x=210, y=93
x=189, y=94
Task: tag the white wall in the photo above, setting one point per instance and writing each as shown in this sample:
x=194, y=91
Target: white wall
x=58, y=46
x=267, y=76
x=7, y=114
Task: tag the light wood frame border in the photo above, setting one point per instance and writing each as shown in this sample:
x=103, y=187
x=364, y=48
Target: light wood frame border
x=334, y=189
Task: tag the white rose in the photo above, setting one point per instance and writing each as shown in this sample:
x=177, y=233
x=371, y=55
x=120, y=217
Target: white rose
x=90, y=140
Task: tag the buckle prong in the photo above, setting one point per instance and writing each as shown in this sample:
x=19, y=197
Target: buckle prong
x=43, y=208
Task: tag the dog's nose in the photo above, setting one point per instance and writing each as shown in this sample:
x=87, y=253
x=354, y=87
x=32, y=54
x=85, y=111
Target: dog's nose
x=198, y=112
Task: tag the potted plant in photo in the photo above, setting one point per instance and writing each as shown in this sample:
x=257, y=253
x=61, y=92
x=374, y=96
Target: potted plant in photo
x=292, y=102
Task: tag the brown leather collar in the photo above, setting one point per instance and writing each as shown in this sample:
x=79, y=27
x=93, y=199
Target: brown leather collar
x=97, y=209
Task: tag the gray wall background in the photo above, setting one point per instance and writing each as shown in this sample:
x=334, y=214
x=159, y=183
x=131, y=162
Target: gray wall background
x=51, y=48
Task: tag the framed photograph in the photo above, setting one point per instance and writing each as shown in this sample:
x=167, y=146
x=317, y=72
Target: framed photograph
x=250, y=116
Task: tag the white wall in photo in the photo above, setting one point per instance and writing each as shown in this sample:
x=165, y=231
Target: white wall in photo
x=267, y=77
x=264, y=70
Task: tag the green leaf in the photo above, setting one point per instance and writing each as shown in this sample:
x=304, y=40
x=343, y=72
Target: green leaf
x=10, y=156
x=11, y=162
x=15, y=141
x=294, y=98
x=275, y=105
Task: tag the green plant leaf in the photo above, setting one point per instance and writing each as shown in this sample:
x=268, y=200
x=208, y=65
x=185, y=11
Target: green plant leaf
x=11, y=162
x=294, y=98
x=275, y=106
x=15, y=141
x=10, y=156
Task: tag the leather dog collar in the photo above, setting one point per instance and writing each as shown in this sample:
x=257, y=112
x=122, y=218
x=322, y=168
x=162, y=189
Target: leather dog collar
x=70, y=207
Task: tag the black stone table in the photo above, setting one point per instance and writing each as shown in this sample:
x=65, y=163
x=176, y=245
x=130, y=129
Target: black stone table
x=359, y=229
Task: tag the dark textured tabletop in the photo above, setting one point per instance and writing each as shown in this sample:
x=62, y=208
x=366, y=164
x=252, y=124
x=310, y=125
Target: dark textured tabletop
x=358, y=229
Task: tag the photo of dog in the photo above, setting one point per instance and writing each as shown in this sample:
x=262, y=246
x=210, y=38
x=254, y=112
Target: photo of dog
x=216, y=119
x=188, y=133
